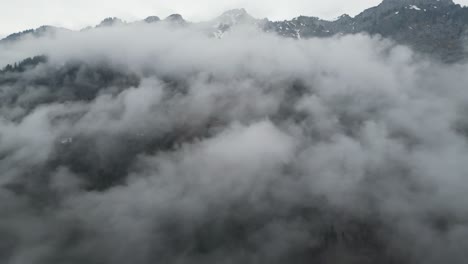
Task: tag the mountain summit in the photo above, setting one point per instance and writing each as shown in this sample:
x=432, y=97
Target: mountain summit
x=235, y=16
x=176, y=19
x=111, y=21
x=438, y=28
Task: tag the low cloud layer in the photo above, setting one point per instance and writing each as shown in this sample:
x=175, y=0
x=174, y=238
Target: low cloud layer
x=152, y=143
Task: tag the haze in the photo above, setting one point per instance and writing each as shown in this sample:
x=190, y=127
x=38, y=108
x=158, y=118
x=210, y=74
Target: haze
x=75, y=14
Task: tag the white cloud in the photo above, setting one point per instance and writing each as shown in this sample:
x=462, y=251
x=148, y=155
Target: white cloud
x=228, y=133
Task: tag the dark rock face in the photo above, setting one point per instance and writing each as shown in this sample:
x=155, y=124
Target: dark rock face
x=152, y=19
x=74, y=81
x=176, y=19
x=438, y=28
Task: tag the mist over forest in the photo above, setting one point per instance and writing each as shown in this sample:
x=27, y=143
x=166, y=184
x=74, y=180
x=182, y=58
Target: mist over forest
x=159, y=143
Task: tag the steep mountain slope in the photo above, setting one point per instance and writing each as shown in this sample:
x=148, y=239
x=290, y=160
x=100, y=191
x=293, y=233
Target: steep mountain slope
x=43, y=31
x=436, y=27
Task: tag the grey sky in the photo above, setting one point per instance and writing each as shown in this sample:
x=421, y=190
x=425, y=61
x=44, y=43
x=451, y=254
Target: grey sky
x=24, y=14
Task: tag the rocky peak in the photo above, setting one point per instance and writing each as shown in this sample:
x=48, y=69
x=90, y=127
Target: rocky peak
x=175, y=18
x=152, y=19
x=344, y=17
x=235, y=13
x=110, y=21
x=235, y=16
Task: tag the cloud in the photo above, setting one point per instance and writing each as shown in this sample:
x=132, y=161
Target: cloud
x=153, y=143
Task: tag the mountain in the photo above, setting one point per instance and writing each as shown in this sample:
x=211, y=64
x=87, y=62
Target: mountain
x=234, y=17
x=43, y=31
x=110, y=22
x=229, y=19
x=142, y=142
x=435, y=27
x=152, y=19
x=176, y=19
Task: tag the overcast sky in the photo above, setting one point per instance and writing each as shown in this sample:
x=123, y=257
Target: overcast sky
x=24, y=14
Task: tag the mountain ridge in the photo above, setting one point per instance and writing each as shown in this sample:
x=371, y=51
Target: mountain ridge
x=435, y=27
